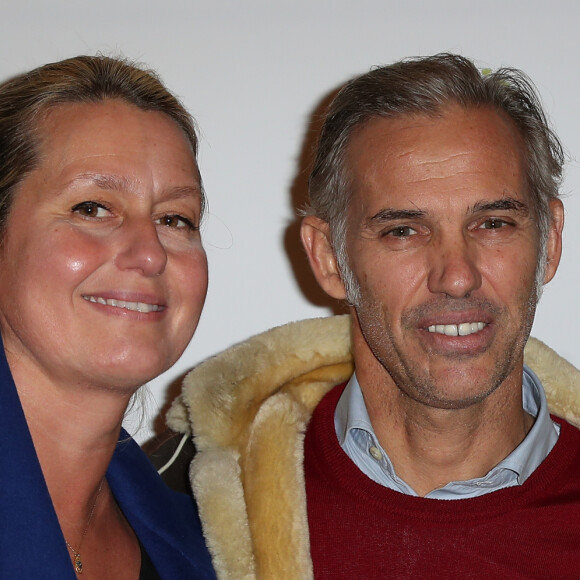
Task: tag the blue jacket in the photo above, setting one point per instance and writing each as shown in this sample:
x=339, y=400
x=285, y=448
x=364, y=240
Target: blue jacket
x=31, y=542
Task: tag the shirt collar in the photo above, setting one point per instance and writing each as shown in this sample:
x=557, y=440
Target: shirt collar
x=352, y=418
x=542, y=436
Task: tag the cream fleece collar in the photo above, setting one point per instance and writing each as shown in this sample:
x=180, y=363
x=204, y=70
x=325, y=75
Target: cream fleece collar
x=248, y=408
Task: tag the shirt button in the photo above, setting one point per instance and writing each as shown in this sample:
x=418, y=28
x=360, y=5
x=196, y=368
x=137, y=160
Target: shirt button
x=376, y=453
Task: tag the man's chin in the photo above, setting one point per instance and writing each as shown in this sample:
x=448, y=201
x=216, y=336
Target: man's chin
x=457, y=386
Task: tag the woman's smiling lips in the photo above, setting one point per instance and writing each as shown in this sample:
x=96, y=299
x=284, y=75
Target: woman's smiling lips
x=143, y=307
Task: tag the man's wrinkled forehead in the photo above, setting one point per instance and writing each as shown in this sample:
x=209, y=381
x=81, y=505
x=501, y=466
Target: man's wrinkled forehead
x=466, y=147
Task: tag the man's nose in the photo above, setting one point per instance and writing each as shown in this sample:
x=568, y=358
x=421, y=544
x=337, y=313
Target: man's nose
x=453, y=268
x=140, y=248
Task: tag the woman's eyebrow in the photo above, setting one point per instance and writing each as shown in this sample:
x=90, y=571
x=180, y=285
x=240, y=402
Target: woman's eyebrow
x=105, y=181
x=111, y=182
x=183, y=191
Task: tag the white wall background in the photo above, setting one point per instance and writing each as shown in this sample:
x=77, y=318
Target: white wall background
x=253, y=72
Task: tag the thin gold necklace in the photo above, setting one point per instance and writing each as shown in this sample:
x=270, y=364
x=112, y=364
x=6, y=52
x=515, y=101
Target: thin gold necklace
x=78, y=563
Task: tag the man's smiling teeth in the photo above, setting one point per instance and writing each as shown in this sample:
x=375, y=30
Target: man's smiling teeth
x=135, y=306
x=457, y=329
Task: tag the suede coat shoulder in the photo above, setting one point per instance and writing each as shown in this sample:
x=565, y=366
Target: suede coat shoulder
x=248, y=409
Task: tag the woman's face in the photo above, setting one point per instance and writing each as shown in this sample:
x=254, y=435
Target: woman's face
x=102, y=272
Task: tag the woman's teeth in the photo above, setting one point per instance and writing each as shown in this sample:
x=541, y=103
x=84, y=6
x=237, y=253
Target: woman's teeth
x=134, y=306
x=462, y=329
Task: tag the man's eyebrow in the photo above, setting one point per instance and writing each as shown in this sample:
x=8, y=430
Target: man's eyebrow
x=503, y=204
x=389, y=215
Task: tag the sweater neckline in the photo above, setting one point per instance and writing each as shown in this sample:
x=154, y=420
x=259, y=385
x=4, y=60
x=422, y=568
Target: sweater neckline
x=333, y=464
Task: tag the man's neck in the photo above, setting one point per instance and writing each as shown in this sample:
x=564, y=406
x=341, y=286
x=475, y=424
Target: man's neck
x=429, y=450
x=430, y=447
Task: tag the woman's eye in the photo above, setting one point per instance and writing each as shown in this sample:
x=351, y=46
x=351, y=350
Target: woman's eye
x=493, y=224
x=175, y=221
x=91, y=209
x=401, y=232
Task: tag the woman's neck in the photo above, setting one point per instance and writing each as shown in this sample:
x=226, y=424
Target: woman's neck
x=75, y=429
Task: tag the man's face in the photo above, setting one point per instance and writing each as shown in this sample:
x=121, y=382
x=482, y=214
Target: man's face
x=443, y=244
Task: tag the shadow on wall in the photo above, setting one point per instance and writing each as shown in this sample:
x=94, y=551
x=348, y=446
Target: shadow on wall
x=160, y=428
x=298, y=200
x=292, y=245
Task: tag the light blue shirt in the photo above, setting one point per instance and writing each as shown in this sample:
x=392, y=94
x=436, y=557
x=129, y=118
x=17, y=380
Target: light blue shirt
x=357, y=438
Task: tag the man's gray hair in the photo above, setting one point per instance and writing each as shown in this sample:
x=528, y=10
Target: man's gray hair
x=425, y=86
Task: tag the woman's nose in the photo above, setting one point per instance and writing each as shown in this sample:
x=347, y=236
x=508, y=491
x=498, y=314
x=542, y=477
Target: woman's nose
x=140, y=248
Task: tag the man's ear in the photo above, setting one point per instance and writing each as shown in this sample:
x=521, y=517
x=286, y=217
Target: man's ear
x=554, y=242
x=315, y=234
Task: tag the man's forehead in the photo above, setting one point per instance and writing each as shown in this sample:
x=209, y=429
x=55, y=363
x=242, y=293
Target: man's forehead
x=461, y=149
x=482, y=124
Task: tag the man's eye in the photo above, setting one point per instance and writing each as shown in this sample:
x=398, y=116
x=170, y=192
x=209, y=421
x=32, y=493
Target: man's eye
x=175, y=221
x=91, y=209
x=493, y=224
x=401, y=232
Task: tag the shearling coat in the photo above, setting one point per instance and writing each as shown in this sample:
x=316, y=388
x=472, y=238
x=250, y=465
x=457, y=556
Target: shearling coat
x=248, y=409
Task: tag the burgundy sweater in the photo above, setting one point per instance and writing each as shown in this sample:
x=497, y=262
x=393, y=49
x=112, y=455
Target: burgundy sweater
x=362, y=530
